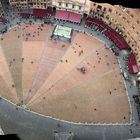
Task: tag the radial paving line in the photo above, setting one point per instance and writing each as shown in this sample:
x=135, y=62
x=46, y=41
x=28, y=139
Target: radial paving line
x=43, y=60
x=12, y=48
x=34, y=77
x=95, y=79
x=31, y=53
x=64, y=75
x=65, y=101
x=81, y=79
x=69, y=71
x=6, y=76
x=5, y=91
x=46, y=69
x=77, y=78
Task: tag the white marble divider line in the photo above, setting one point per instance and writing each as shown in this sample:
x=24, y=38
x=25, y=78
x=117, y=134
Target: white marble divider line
x=69, y=122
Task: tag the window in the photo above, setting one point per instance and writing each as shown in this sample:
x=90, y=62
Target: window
x=73, y=6
x=99, y=7
x=107, y=17
x=104, y=9
x=59, y=3
x=66, y=4
x=110, y=10
x=127, y=12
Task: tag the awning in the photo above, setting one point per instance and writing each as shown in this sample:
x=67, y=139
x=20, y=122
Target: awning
x=109, y=33
x=132, y=64
x=74, y=17
x=68, y=16
x=101, y=25
x=63, y=15
x=49, y=10
x=24, y=14
x=116, y=38
x=42, y=12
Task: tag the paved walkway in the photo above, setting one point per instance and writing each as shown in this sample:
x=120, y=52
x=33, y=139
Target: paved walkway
x=31, y=126
x=131, y=89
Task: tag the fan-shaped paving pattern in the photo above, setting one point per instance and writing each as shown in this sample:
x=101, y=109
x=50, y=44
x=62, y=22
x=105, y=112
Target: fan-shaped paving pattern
x=47, y=76
x=32, y=51
x=52, y=54
x=71, y=59
x=96, y=92
x=94, y=64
